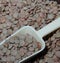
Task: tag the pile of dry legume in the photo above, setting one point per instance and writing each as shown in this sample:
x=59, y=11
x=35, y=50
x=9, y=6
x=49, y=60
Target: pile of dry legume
x=15, y=14
x=19, y=47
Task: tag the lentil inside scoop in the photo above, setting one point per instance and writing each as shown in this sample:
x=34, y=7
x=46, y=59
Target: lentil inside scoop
x=18, y=47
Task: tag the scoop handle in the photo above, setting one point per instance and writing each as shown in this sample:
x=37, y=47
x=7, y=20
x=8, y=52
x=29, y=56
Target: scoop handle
x=49, y=28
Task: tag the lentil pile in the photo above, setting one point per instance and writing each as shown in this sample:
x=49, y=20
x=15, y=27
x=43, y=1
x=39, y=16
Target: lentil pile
x=19, y=47
x=15, y=14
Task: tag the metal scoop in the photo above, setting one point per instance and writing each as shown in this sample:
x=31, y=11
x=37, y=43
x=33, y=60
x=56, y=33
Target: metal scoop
x=38, y=35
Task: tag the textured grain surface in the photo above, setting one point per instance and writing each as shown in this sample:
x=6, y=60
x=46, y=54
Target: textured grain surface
x=15, y=14
x=16, y=49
